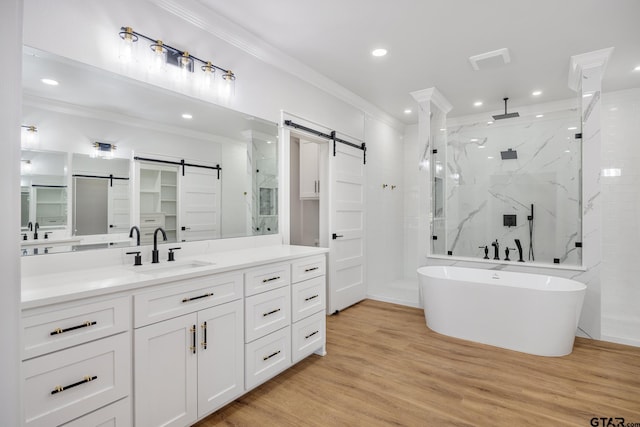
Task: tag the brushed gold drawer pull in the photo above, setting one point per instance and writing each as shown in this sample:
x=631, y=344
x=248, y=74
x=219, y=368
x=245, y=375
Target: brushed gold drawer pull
x=306, y=270
x=60, y=389
x=59, y=331
x=270, y=356
x=270, y=279
x=271, y=312
x=195, y=298
x=310, y=298
x=310, y=335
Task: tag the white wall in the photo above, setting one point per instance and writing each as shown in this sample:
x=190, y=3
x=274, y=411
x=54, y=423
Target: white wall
x=10, y=122
x=621, y=217
x=384, y=206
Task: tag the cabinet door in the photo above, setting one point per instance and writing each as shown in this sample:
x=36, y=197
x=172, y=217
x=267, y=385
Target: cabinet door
x=309, y=182
x=165, y=361
x=220, y=356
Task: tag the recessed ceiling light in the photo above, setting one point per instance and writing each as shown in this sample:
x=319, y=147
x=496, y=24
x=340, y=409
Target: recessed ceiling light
x=480, y=146
x=187, y=116
x=269, y=142
x=477, y=103
x=567, y=151
x=379, y=52
x=572, y=128
x=536, y=93
x=539, y=116
x=489, y=123
x=443, y=130
x=489, y=157
x=474, y=139
x=637, y=68
x=407, y=111
x=50, y=82
x=586, y=95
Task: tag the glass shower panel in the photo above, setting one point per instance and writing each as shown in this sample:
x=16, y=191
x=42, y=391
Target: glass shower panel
x=515, y=179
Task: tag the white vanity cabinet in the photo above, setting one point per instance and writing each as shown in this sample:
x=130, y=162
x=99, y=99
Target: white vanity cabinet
x=308, y=301
x=190, y=361
x=76, y=360
x=171, y=350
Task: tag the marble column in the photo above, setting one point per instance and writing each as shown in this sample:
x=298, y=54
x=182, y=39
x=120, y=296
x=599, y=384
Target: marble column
x=585, y=77
x=433, y=108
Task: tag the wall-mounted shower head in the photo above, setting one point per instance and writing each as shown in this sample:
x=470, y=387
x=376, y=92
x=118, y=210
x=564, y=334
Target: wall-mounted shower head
x=505, y=115
x=509, y=154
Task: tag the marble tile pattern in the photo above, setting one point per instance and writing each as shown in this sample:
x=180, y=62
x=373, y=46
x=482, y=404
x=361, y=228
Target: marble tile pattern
x=480, y=188
x=264, y=215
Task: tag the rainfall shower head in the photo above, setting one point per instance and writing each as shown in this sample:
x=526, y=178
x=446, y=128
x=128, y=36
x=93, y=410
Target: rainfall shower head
x=505, y=115
x=509, y=154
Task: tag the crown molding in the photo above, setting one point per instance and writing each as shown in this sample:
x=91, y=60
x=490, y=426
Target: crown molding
x=578, y=63
x=433, y=95
x=200, y=16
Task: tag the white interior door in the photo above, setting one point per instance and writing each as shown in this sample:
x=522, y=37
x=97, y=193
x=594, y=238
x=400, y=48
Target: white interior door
x=118, y=206
x=199, y=204
x=347, y=176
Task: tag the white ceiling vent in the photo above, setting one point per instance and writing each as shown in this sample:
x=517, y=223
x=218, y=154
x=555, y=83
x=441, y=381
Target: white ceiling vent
x=495, y=56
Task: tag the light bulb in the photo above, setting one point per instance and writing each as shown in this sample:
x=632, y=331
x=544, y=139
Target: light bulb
x=29, y=137
x=126, y=46
x=208, y=76
x=158, y=56
x=227, y=85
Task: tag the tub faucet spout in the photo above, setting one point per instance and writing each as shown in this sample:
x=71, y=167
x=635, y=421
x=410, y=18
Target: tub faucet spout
x=496, y=250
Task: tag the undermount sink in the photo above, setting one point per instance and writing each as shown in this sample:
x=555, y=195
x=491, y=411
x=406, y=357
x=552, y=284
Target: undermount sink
x=170, y=266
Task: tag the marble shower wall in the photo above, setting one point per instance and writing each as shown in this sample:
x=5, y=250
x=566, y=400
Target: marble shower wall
x=479, y=187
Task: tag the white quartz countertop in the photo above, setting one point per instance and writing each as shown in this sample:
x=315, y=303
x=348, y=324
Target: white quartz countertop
x=45, y=289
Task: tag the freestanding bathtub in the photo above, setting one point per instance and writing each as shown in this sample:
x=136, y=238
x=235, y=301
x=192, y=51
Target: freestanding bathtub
x=530, y=313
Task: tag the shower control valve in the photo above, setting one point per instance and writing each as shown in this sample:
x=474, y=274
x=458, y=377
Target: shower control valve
x=486, y=251
x=506, y=253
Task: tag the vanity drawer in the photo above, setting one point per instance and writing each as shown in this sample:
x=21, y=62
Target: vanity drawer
x=190, y=295
x=117, y=414
x=307, y=336
x=151, y=220
x=307, y=298
x=45, y=332
x=265, y=278
x=267, y=357
x=308, y=268
x=62, y=386
x=266, y=312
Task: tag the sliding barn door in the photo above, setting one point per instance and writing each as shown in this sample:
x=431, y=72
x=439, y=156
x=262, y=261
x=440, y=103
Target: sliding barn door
x=347, y=284
x=199, y=205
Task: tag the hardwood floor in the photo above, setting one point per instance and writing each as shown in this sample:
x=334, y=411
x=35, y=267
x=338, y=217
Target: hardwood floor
x=385, y=367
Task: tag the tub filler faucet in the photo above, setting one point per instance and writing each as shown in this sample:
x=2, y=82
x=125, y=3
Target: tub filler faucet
x=496, y=250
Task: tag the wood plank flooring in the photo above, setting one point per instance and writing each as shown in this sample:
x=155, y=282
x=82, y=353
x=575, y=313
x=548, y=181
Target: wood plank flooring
x=385, y=367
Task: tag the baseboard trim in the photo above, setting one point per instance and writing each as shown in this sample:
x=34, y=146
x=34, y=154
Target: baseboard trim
x=394, y=301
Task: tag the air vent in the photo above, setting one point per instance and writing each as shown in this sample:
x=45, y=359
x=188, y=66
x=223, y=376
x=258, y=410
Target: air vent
x=490, y=59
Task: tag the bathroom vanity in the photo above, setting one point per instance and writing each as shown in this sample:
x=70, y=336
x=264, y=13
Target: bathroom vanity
x=168, y=343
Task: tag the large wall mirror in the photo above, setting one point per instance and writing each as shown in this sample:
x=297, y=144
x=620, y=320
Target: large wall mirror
x=110, y=153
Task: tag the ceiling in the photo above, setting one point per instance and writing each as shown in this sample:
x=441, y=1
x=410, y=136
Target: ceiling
x=429, y=43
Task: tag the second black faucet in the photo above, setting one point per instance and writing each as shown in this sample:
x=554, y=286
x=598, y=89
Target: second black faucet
x=155, y=254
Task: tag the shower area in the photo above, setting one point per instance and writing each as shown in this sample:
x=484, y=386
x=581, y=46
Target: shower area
x=507, y=189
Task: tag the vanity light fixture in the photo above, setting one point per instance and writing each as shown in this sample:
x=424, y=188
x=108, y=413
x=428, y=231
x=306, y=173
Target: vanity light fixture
x=165, y=54
x=103, y=149
x=29, y=136
x=25, y=167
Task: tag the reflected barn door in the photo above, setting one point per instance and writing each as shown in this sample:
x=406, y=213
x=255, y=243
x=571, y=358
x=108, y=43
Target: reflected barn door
x=347, y=284
x=118, y=206
x=199, y=205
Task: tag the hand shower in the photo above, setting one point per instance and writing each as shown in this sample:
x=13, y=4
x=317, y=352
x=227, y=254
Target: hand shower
x=530, y=218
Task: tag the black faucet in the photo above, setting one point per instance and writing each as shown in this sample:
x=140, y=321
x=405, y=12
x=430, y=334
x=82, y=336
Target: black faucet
x=137, y=230
x=519, y=249
x=496, y=250
x=30, y=226
x=486, y=251
x=155, y=253
x=35, y=231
